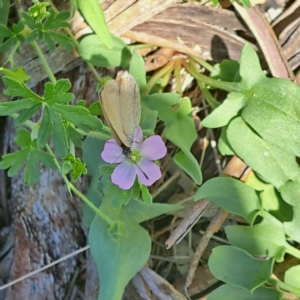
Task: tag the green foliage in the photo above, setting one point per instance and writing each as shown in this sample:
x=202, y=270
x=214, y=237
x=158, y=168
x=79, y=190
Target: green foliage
x=47, y=30
x=127, y=245
x=56, y=113
x=246, y=271
x=177, y=115
x=93, y=50
x=29, y=155
x=73, y=165
x=93, y=14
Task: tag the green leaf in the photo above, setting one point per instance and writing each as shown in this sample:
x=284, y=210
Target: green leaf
x=79, y=116
x=290, y=192
x=95, y=109
x=232, y=195
x=176, y=113
x=223, y=143
x=147, y=198
x=45, y=158
x=226, y=111
x=228, y=292
x=26, y=114
x=49, y=41
x=266, y=238
x=57, y=20
x=273, y=164
x=58, y=93
x=18, y=74
x=75, y=136
x=4, y=31
x=273, y=100
x=127, y=245
x=227, y=70
x=236, y=267
x=32, y=170
x=14, y=161
x=9, y=108
x=250, y=69
x=92, y=50
x=137, y=69
x=292, y=276
x=128, y=253
x=45, y=128
x=19, y=89
x=271, y=200
x=93, y=14
x=23, y=138
x=60, y=136
x=117, y=196
x=62, y=40
x=292, y=228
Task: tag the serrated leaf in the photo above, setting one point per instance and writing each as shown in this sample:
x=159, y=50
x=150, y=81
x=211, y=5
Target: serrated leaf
x=80, y=116
x=49, y=41
x=273, y=164
x=23, y=138
x=14, y=161
x=58, y=93
x=62, y=40
x=75, y=136
x=45, y=129
x=32, y=170
x=8, y=108
x=57, y=20
x=19, y=74
x=17, y=88
x=26, y=114
x=45, y=158
x=245, y=271
x=93, y=14
x=60, y=135
x=92, y=50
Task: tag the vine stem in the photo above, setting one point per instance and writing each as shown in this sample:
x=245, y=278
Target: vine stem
x=44, y=62
x=71, y=187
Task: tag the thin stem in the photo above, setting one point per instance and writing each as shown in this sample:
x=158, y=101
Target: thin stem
x=158, y=75
x=71, y=187
x=44, y=62
x=287, y=287
x=202, y=63
x=223, y=85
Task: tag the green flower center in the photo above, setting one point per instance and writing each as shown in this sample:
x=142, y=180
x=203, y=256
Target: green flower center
x=134, y=157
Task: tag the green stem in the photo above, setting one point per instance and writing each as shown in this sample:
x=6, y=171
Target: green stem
x=292, y=250
x=70, y=186
x=287, y=287
x=202, y=63
x=223, y=85
x=158, y=75
x=44, y=62
x=212, y=102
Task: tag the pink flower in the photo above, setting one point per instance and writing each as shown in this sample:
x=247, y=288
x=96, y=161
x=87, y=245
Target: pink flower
x=137, y=161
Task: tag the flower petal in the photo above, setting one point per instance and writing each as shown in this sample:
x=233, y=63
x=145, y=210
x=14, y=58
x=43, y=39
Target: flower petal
x=112, y=152
x=153, y=148
x=138, y=137
x=124, y=175
x=148, y=172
